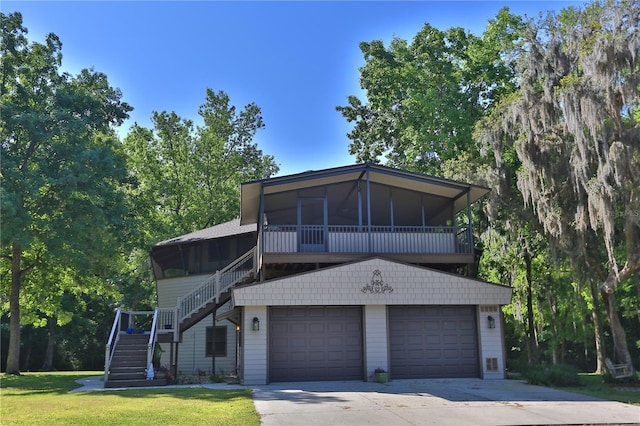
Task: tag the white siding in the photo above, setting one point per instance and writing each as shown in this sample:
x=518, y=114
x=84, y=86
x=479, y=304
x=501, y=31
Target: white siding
x=171, y=288
x=357, y=284
x=490, y=340
x=375, y=339
x=192, y=352
x=255, y=346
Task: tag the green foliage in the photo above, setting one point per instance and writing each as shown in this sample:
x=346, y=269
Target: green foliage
x=552, y=375
x=64, y=213
x=189, y=177
x=563, y=147
x=424, y=98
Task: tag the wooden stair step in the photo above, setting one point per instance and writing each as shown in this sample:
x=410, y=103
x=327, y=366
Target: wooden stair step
x=135, y=383
x=127, y=376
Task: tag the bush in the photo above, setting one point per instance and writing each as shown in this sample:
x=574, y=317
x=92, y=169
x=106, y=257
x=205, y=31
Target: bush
x=552, y=375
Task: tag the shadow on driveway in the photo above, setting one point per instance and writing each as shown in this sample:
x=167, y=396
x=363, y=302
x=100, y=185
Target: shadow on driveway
x=433, y=402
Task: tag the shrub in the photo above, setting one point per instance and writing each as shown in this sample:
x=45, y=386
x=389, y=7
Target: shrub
x=552, y=375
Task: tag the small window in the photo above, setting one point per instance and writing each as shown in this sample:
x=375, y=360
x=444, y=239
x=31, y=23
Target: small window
x=216, y=344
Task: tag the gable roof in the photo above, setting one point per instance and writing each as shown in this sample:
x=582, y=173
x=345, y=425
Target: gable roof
x=226, y=229
x=454, y=190
x=375, y=280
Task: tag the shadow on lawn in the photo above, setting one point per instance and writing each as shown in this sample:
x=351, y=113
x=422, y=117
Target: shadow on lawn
x=201, y=394
x=39, y=383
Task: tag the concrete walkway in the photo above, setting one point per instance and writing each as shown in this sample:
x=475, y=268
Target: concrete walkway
x=456, y=402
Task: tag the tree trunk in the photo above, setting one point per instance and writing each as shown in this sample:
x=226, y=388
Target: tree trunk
x=13, y=357
x=555, y=340
x=532, y=344
x=51, y=344
x=622, y=354
x=26, y=358
x=601, y=351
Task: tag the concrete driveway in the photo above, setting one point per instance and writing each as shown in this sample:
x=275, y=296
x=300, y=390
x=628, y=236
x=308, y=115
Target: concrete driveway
x=433, y=402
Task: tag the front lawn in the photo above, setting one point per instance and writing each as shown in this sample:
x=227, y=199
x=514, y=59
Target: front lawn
x=43, y=399
x=594, y=385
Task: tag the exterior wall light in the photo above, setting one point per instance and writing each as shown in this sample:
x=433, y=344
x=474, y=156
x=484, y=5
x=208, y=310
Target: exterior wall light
x=491, y=322
x=256, y=324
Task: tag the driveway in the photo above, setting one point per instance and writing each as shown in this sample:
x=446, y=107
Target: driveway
x=432, y=402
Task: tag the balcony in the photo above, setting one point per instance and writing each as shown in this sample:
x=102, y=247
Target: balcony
x=334, y=243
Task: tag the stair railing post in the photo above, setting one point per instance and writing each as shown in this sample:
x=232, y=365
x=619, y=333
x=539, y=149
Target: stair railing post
x=176, y=325
x=217, y=285
x=256, y=257
x=111, y=343
x=151, y=345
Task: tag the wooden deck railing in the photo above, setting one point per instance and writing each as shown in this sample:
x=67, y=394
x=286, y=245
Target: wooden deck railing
x=363, y=239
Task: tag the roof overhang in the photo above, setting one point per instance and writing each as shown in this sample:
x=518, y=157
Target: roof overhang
x=450, y=189
x=232, y=315
x=226, y=229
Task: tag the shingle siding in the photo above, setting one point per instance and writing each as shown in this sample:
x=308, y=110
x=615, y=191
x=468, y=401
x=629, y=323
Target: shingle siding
x=348, y=285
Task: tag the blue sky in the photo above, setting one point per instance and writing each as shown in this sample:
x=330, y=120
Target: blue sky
x=296, y=60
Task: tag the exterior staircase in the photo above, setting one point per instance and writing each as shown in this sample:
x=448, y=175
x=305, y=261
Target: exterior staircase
x=127, y=356
x=128, y=365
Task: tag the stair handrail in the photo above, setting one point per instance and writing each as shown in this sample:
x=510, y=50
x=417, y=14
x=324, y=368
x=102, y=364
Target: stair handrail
x=111, y=343
x=215, y=285
x=153, y=336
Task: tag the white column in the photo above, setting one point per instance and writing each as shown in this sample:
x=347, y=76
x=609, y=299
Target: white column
x=492, y=362
x=255, y=346
x=375, y=339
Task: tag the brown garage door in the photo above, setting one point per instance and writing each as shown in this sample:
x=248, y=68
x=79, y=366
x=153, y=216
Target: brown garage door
x=315, y=343
x=433, y=342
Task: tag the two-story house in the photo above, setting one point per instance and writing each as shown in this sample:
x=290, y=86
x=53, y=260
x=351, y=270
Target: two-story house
x=330, y=275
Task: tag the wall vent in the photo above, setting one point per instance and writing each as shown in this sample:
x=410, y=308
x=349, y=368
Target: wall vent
x=492, y=364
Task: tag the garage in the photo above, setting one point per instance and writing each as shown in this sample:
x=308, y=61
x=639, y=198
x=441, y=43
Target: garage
x=433, y=342
x=315, y=343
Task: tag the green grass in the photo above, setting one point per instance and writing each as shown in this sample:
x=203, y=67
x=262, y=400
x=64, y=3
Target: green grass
x=44, y=399
x=594, y=385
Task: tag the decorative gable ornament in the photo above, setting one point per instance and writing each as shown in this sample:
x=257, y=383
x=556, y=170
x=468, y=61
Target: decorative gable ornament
x=377, y=285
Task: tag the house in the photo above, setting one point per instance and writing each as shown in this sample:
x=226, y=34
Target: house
x=330, y=275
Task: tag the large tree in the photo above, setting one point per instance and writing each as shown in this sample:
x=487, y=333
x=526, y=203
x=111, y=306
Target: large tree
x=190, y=175
x=62, y=167
x=575, y=129
x=424, y=97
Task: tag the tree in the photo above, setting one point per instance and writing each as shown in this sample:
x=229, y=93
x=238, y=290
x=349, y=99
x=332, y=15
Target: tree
x=189, y=177
x=574, y=127
x=62, y=169
x=424, y=98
